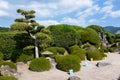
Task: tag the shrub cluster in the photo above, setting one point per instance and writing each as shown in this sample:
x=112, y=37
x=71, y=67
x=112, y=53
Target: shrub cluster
x=75, y=50
x=69, y=62
x=7, y=78
x=56, y=50
x=39, y=64
x=96, y=55
x=10, y=64
x=24, y=58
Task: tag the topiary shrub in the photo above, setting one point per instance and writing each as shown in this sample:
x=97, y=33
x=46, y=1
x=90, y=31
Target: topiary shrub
x=96, y=55
x=69, y=62
x=10, y=64
x=7, y=78
x=39, y=64
x=25, y=58
x=75, y=50
x=29, y=50
x=56, y=50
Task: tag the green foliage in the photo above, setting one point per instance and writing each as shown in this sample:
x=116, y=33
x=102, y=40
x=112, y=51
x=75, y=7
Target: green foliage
x=44, y=40
x=90, y=36
x=1, y=56
x=69, y=62
x=7, y=44
x=25, y=58
x=39, y=64
x=104, y=49
x=22, y=40
x=97, y=28
x=96, y=55
x=56, y=50
x=75, y=50
x=7, y=78
x=110, y=37
x=117, y=37
x=29, y=50
x=4, y=29
x=64, y=35
x=10, y=64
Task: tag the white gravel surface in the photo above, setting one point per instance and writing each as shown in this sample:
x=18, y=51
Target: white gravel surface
x=91, y=72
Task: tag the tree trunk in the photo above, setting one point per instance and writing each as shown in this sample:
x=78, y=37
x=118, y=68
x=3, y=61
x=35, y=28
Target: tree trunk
x=36, y=45
x=36, y=49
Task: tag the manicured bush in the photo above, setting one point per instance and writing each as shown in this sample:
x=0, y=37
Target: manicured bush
x=39, y=64
x=75, y=50
x=64, y=35
x=56, y=50
x=96, y=55
x=69, y=62
x=10, y=41
x=24, y=58
x=7, y=78
x=10, y=64
x=7, y=44
x=29, y=50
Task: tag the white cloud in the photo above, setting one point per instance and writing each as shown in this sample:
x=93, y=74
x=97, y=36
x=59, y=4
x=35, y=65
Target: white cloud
x=93, y=20
x=47, y=22
x=60, y=7
x=108, y=10
x=3, y=13
x=115, y=14
x=89, y=11
x=4, y=4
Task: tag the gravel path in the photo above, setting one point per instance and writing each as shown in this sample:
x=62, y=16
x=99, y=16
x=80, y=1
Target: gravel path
x=91, y=72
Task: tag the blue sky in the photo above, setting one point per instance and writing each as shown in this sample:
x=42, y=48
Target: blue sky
x=74, y=12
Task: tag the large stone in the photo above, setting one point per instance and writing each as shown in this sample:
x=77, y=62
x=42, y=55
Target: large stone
x=6, y=70
x=101, y=64
x=74, y=78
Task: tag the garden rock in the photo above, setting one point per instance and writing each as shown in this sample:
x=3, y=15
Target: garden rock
x=101, y=64
x=6, y=70
x=74, y=78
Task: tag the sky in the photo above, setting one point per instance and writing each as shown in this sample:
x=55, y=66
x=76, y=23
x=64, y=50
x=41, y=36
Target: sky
x=73, y=12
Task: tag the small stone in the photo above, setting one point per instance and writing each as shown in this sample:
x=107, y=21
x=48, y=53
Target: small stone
x=74, y=78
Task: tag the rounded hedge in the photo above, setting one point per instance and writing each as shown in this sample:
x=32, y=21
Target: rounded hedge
x=75, y=50
x=96, y=55
x=7, y=78
x=24, y=58
x=69, y=62
x=10, y=64
x=39, y=64
x=56, y=50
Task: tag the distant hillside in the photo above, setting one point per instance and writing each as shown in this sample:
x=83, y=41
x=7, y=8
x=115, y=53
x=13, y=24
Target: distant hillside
x=4, y=29
x=112, y=29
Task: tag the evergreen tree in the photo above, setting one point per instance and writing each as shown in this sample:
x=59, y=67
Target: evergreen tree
x=34, y=29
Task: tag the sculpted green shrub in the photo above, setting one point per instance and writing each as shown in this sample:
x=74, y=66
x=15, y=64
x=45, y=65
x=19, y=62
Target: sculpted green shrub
x=7, y=78
x=56, y=50
x=39, y=64
x=10, y=64
x=69, y=62
x=24, y=58
x=64, y=35
x=7, y=44
x=96, y=55
x=75, y=50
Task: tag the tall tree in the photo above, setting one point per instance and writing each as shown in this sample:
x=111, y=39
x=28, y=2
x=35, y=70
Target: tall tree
x=34, y=29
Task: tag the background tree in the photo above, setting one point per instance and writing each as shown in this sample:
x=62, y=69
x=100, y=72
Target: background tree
x=64, y=35
x=34, y=29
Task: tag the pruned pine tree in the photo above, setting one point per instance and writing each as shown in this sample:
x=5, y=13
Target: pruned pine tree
x=30, y=26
